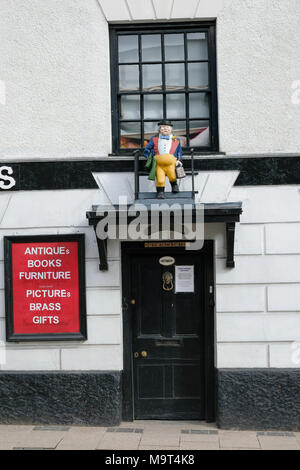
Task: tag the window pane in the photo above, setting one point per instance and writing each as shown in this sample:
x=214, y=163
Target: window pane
x=152, y=78
x=179, y=130
x=175, y=77
x=130, y=107
x=198, y=75
x=129, y=77
x=176, y=106
x=197, y=46
x=199, y=134
x=128, y=49
x=130, y=135
x=199, y=105
x=153, y=106
x=150, y=129
x=151, y=48
x=174, y=47
x=184, y=75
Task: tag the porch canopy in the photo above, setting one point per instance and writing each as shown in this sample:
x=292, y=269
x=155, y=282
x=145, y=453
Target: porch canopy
x=228, y=213
x=225, y=212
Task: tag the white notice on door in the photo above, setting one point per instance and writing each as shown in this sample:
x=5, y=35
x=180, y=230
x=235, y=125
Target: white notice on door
x=184, y=279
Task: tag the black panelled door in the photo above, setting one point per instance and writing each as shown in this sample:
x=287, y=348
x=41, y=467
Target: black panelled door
x=168, y=338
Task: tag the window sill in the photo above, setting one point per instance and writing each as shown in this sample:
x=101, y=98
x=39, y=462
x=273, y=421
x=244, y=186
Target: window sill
x=196, y=155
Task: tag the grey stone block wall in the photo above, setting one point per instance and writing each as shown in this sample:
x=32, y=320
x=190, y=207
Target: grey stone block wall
x=258, y=399
x=83, y=398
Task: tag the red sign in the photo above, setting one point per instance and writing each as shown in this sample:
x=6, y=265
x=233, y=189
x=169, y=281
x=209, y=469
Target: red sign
x=45, y=287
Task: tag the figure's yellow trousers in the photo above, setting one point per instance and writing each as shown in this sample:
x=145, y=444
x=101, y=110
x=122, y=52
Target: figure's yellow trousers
x=165, y=166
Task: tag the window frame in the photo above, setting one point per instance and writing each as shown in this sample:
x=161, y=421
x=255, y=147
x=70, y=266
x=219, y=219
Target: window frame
x=117, y=30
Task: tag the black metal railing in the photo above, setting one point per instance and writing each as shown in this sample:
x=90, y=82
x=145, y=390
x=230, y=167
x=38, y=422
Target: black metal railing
x=136, y=155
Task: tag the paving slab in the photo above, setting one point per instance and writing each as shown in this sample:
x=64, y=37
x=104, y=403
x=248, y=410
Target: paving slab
x=40, y=440
x=6, y=446
x=88, y=429
x=85, y=439
x=12, y=438
x=297, y=436
x=278, y=443
x=162, y=432
x=199, y=446
x=238, y=448
x=160, y=439
x=239, y=440
x=158, y=448
x=118, y=446
x=119, y=441
x=198, y=425
x=200, y=438
x=15, y=427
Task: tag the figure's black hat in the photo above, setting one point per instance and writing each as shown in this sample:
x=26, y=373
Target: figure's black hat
x=165, y=122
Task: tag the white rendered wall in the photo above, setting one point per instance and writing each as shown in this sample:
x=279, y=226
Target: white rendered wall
x=55, y=77
x=258, y=76
x=158, y=10
x=258, y=302
x=55, y=68
x=60, y=212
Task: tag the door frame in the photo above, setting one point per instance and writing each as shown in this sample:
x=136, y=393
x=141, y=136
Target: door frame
x=133, y=248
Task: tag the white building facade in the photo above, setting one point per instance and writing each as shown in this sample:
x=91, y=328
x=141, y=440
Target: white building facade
x=66, y=147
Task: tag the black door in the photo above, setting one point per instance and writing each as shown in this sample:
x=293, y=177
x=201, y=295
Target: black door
x=168, y=328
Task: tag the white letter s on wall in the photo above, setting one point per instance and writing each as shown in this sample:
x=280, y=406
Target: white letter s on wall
x=5, y=177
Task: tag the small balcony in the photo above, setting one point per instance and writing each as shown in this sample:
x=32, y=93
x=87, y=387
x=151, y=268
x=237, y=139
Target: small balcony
x=147, y=197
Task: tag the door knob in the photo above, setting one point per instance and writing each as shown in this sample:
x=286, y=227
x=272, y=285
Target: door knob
x=132, y=302
x=135, y=355
x=144, y=354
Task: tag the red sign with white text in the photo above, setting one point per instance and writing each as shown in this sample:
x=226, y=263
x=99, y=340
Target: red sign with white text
x=45, y=287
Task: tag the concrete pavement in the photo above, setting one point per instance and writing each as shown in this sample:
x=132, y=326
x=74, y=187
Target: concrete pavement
x=144, y=435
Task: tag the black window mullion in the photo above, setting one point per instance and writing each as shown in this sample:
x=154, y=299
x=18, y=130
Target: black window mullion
x=152, y=119
x=158, y=62
x=141, y=88
x=159, y=92
x=176, y=28
x=114, y=91
x=212, y=83
x=163, y=76
x=210, y=123
x=209, y=97
x=187, y=101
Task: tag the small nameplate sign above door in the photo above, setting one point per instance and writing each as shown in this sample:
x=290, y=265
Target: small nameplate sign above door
x=164, y=244
x=166, y=260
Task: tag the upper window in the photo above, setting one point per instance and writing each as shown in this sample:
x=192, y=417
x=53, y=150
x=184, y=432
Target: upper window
x=164, y=72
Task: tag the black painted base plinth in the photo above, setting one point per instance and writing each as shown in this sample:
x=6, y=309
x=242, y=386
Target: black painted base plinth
x=73, y=398
x=259, y=399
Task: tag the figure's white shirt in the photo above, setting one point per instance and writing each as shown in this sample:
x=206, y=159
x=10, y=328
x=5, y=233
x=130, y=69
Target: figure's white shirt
x=164, y=145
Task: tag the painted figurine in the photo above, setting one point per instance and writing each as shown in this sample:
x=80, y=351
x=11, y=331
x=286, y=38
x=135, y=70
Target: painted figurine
x=163, y=154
